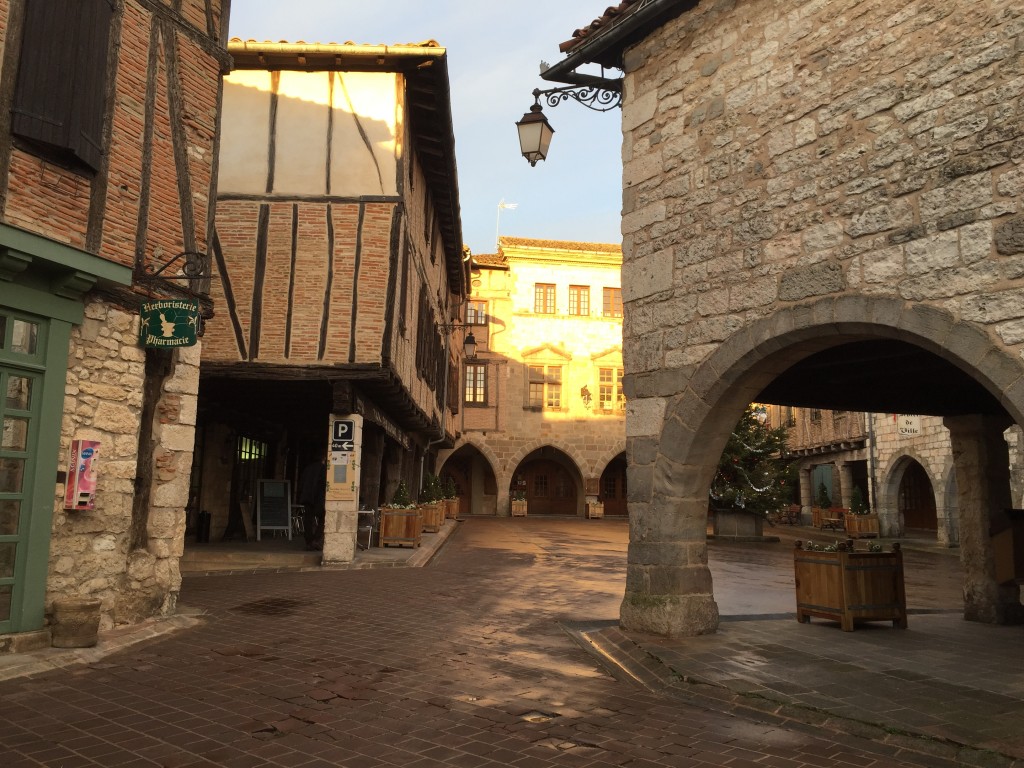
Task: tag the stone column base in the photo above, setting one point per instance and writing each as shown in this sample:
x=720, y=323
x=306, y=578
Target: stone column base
x=339, y=535
x=669, y=615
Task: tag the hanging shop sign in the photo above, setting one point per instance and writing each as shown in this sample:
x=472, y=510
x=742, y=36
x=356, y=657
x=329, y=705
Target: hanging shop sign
x=169, y=323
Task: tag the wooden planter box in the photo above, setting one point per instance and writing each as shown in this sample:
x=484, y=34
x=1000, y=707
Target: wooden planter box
x=433, y=516
x=518, y=509
x=451, y=508
x=848, y=586
x=400, y=527
x=738, y=525
x=861, y=525
x=595, y=509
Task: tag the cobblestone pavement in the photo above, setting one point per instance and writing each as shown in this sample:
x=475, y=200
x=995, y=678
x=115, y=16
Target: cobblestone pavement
x=475, y=660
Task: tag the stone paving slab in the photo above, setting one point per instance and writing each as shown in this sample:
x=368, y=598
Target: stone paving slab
x=466, y=663
x=944, y=686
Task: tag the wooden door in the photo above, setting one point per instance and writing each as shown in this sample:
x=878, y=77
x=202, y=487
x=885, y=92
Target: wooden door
x=916, y=500
x=550, y=489
x=613, y=487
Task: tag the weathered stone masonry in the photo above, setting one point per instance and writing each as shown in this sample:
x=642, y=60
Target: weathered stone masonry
x=801, y=174
x=79, y=230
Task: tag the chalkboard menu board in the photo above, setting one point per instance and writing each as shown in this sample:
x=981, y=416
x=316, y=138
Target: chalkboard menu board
x=274, y=507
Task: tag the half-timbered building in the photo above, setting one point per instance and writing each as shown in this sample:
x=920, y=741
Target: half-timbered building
x=108, y=131
x=339, y=269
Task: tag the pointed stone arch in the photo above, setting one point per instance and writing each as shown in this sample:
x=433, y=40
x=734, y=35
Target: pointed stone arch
x=475, y=474
x=471, y=440
x=606, y=458
x=525, y=450
x=892, y=477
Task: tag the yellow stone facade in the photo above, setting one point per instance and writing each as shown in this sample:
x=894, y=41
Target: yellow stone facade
x=542, y=411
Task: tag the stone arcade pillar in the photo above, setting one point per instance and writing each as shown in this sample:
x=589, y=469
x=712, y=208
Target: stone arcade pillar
x=845, y=484
x=343, y=468
x=806, y=493
x=668, y=583
x=372, y=461
x=981, y=459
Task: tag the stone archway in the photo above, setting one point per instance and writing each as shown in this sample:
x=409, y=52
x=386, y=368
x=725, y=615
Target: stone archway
x=678, y=422
x=613, y=485
x=551, y=482
x=471, y=468
x=907, y=480
x=915, y=499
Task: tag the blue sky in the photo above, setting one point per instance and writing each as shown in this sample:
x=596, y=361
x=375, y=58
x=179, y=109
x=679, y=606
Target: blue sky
x=494, y=55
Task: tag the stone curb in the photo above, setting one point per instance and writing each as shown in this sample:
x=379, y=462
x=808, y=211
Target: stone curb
x=627, y=661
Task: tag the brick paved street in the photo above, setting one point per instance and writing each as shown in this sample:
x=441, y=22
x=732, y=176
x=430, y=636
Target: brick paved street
x=465, y=662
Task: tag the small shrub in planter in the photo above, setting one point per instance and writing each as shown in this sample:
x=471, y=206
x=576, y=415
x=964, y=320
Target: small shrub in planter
x=400, y=522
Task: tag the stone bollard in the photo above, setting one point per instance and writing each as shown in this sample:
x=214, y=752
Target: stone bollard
x=76, y=622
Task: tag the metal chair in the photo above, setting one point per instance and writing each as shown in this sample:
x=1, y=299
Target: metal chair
x=367, y=522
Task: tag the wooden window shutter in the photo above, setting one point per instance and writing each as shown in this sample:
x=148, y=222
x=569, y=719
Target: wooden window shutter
x=59, y=95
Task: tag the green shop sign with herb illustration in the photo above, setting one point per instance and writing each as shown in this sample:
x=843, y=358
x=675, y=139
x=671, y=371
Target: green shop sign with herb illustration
x=169, y=323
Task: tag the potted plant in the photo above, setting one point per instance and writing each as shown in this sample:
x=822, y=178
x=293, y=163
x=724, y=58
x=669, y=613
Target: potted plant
x=451, y=498
x=822, y=504
x=400, y=522
x=860, y=521
x=837, y=582
x=595, y=508
x=518, y=503
x=430, y=503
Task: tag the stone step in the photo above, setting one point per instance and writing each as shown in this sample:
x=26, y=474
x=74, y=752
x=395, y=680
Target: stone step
x=201, y=560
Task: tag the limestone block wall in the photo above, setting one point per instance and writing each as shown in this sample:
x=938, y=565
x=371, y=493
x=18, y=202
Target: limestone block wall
x=94, y=553
x=517, y=336
x=777, y=151
x=795, y=172
x=931, y=448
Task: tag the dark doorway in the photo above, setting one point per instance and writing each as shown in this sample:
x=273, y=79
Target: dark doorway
x=613, y=486
x=550, y=481
x=917, y=500
x=475, y=484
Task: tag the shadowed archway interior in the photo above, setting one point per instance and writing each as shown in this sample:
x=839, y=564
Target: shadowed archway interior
x=880, y=376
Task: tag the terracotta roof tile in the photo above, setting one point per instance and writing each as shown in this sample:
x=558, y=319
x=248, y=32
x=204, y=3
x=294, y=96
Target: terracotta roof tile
x=562, y=245
x=611, y=14
x=490, y=260
x=421, y=44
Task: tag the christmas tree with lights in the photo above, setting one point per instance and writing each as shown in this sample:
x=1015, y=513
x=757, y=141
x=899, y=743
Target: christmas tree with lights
x=753, y=474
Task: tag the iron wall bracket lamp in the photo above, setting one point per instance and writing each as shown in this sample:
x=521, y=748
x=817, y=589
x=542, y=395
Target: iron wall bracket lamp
x=468, y=343
x=535, y=131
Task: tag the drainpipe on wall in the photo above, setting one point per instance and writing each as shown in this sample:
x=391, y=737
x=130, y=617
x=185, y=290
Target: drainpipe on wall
x=872, y=491
x=444, y=406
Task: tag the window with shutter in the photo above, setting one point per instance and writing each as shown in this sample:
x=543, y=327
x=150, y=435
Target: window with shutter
x=59, y=94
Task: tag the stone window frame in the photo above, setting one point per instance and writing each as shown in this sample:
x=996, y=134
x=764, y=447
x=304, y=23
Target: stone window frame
x=544, y=298
x=611, y=302
x=609, y=389
x=579, y=300
x=544, y=385
x=475, y=385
